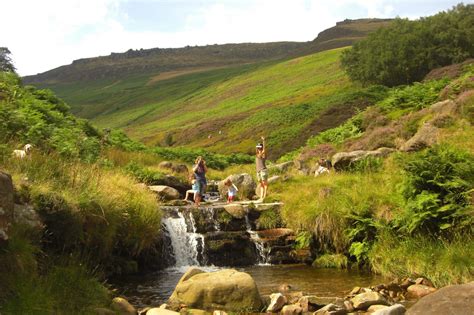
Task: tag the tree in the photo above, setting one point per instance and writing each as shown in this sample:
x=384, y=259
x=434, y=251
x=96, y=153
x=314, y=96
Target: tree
x=6, y=63
x=406, y=51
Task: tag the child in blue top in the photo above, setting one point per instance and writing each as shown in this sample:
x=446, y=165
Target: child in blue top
x=194, y=188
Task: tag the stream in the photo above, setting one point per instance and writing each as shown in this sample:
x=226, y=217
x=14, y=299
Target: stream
x=192, y=239
x=155, y=288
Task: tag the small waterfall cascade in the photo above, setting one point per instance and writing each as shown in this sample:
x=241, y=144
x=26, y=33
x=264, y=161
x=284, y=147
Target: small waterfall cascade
x=187, y=246
x=262, y=251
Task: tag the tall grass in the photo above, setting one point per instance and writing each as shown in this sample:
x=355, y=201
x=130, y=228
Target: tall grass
x=443, y=262
x=100, y=213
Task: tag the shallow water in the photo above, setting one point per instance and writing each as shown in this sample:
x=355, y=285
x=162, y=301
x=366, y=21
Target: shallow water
x=155, y=288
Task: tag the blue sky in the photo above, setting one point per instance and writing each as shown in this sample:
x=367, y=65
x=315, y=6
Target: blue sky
x=45, y=34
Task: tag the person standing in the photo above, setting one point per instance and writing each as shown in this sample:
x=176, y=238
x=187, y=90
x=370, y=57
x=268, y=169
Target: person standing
x=262, y=172
x=199, y=170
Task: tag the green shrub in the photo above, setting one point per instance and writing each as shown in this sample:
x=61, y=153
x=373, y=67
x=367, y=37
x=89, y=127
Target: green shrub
x=143, y=174
x=350, y=129
x=406, y=51
x=413, y=97
x=303, y=240
x=436, y=188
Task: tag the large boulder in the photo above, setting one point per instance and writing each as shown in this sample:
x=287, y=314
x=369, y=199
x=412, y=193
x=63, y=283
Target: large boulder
x=6, y=204
x=172, y=181
x=342, y=160
x=160, y=311
x=244, y=183
x=165, y=192
x=451, y=300
x=425, y=137
x=362, y=301
x=226, y=289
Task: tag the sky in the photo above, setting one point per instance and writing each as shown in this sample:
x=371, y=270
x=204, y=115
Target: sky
x=45, y=34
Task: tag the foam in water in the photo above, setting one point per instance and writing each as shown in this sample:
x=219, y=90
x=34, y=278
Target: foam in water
x=184, y=245
x=262, y=251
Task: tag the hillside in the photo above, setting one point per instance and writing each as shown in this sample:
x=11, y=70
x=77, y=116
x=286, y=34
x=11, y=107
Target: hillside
x=186, y=95
x=177, y=61
x=298, y=97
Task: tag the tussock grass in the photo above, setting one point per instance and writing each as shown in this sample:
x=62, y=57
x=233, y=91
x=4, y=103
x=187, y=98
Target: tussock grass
x=338, y=261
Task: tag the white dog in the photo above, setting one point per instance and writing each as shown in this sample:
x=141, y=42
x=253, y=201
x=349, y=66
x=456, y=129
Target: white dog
x=21, y=154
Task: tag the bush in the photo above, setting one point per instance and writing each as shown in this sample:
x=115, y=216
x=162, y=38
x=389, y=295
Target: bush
x=406, y=51
x=269, y=219
x=338, y=261
x=436, y=188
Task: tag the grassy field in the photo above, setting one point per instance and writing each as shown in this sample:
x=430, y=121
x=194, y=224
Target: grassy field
x=282, y=100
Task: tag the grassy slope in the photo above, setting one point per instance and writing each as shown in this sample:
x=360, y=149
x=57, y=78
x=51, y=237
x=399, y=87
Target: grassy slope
x=278, y=99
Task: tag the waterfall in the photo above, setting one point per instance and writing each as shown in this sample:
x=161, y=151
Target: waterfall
x=262, y=251
x=187, y=247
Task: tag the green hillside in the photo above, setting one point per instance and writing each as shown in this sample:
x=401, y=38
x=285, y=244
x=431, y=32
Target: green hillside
x=283, y=100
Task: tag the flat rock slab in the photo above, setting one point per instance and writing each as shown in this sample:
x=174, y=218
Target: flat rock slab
x=452, y=300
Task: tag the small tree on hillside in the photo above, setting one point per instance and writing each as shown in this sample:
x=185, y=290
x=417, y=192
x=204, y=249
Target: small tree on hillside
x=6, y=63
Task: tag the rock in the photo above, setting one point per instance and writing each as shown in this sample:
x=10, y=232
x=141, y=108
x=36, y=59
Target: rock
x=219, y=313
x=26, y=215
x=450, y=300
x=406, y=283
x=294, y=297
x=348, y=305
x=321, y=300
x=376, y=307
x=363, y=300
x=194, y=311
x=425, y=137
x=122, y=307
x=396, y=309
x=226, y=289
x=180, y=169
x=291, y=309
x=343, y=160
x=417, y=291
x=103, y=311
x=6, y=204
x=165, y=164
x=143, y=311
x=165, y=192
x=331, y=309
x=172, y=181
x=244, y=183
x=236, y=210
x=160, y=311
x=355, y=291
x=274, y=179
x=304, y=303
x=282, y=167
x=444, y=107
x=285, y=287
x=424, y=281
x=277, y=301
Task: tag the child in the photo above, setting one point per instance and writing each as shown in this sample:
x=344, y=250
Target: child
x=231, y=190
x=322, y=168
x=194, y=189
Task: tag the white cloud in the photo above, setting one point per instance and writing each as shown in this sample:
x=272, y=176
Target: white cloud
x=46, y=34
